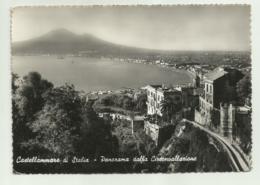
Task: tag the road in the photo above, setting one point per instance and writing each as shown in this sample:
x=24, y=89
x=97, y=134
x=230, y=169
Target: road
x=237, y=158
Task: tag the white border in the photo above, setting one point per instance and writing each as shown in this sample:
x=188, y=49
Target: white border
x=6, y=176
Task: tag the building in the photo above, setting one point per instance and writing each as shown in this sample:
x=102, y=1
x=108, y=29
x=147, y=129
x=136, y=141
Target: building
x=159, y=132
x=155, y=96
x=227, y=120
x=190, y=100
x=137, y=123
x=196, y=81
x=154, y=126
x=234, y=121
x=217, y=104
x=242, y=123
x=219, y=87
x=189, y=96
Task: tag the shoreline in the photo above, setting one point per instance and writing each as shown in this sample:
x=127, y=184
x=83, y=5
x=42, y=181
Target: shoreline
x=111, y=89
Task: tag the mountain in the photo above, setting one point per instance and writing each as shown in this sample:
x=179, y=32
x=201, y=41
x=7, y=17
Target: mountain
x=62, y=41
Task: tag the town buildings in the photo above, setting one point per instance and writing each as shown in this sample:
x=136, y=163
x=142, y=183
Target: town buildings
x=155, y=96
x=219, y=87
x=156, y=127
x=214, y=107
x=218, y=107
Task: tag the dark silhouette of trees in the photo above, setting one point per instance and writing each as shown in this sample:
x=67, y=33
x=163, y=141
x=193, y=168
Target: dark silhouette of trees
x=244, y=88
x=57, y=125
x=27, y=100
x=30, y=94
x=125, y=102
x=170, y=106
x=141, y=103
x=58, y=121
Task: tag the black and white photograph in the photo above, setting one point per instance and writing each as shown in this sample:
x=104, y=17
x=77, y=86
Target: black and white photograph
x=131, y=89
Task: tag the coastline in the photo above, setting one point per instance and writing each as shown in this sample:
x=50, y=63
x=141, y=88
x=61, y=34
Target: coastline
x=127, y=83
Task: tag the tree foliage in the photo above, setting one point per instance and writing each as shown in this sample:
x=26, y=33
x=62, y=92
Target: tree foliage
x=27, y=100
x=57, y=125
x=56, y=121
x=244, y=89
x=169, y=107
x=125, y=102
x=30, y=94
x=141, y=103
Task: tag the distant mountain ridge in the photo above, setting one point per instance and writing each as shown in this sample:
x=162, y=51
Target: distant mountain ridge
x=62, y=41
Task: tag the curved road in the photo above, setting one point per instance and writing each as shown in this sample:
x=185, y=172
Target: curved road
x=238, y=160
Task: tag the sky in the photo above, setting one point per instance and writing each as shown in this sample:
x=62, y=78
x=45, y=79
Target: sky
x=155, y=27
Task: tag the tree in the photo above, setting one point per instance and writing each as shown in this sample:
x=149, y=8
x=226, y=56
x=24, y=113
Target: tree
x=67, y=125
x=108, y=100
x=141, y=103
x=128, y=103
x=15, y=77
x=244, y=89
x=15, y=114
x=169, y=107
x=230, y=93
x=57, y=122
x=96, y=137
x=57, y=125
x=30, y=95
x=27, y=100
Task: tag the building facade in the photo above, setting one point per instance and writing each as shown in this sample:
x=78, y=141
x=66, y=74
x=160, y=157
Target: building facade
x=227, y=120
x=219, y=87
x=159, y=133
x=155, y=96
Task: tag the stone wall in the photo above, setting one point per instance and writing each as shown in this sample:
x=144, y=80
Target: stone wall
x=199, y=118
x=158, y=134
x=227, y=119
x=152, y=130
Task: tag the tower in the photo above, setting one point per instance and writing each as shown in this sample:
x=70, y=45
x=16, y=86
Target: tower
x=227, y=119
x=196, y=81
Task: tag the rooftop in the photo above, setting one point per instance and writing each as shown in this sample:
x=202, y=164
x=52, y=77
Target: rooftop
x=156, y=86
x=162, y=88
x=215, y=74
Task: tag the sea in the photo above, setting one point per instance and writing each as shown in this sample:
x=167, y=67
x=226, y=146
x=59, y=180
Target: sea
x=95, y=74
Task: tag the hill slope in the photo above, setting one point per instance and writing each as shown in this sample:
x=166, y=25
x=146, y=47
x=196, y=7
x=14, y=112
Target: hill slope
x=62, y=41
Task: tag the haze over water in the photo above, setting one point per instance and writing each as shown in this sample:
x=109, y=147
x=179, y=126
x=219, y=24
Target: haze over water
x=91, y=74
